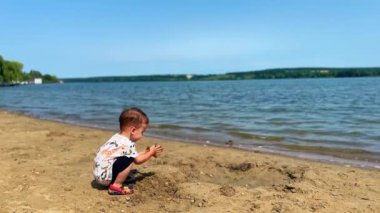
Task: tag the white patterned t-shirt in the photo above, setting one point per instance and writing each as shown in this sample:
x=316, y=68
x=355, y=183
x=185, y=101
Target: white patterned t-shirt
x=117, y=146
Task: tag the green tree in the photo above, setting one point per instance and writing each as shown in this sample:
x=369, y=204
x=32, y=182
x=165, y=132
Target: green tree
x=49, y=79
x=12, y=71
x=32, y=75
x=35, y=74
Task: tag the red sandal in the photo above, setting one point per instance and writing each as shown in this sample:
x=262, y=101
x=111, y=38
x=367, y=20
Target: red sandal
x=114, y=190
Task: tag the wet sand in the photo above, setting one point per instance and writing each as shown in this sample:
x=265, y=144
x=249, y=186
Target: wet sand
x=46, y=167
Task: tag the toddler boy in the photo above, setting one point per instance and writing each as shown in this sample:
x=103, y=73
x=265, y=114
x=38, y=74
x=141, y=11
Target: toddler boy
x=114, y=159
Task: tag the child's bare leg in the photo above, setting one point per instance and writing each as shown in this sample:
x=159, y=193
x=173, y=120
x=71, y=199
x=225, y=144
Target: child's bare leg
x=122, y=176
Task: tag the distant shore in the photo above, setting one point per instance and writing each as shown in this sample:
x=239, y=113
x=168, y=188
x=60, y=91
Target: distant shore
x=277, y=73
x=48, y=166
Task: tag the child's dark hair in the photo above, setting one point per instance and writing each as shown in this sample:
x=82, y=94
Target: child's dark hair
x=132, y=117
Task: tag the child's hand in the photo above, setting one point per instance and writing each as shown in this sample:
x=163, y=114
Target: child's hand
x=154, y=150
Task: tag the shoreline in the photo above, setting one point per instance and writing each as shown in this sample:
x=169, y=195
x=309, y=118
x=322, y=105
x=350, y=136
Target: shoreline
x=317, y=154
x=308, y=156
x=48, y=166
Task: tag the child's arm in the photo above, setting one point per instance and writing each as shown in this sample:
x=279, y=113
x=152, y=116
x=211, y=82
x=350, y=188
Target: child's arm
x=150, y=151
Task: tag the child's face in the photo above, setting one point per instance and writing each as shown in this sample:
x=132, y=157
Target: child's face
x=138, y=132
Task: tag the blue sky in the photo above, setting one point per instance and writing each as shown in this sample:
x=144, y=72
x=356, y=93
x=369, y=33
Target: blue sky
x=77, y=38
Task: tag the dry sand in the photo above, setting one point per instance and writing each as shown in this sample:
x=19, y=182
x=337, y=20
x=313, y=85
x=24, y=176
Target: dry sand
x=46, y=167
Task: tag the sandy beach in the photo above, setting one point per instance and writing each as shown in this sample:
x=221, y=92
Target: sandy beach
x=46, y=167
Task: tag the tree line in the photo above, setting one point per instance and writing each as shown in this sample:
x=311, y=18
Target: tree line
x=311, y=72
x=11, y=72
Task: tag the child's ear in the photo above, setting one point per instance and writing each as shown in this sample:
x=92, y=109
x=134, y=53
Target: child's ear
x=133, y=130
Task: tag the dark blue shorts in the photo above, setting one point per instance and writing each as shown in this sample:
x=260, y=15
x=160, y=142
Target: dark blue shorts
x=119, y=165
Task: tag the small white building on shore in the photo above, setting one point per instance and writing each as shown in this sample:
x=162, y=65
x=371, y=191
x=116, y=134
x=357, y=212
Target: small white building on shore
x=189, y=76
x=37, y=81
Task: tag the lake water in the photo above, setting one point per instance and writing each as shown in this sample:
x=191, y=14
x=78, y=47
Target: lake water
x=325, y=119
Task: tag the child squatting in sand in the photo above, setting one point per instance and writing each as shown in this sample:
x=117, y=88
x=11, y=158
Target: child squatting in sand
x=114, y=159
